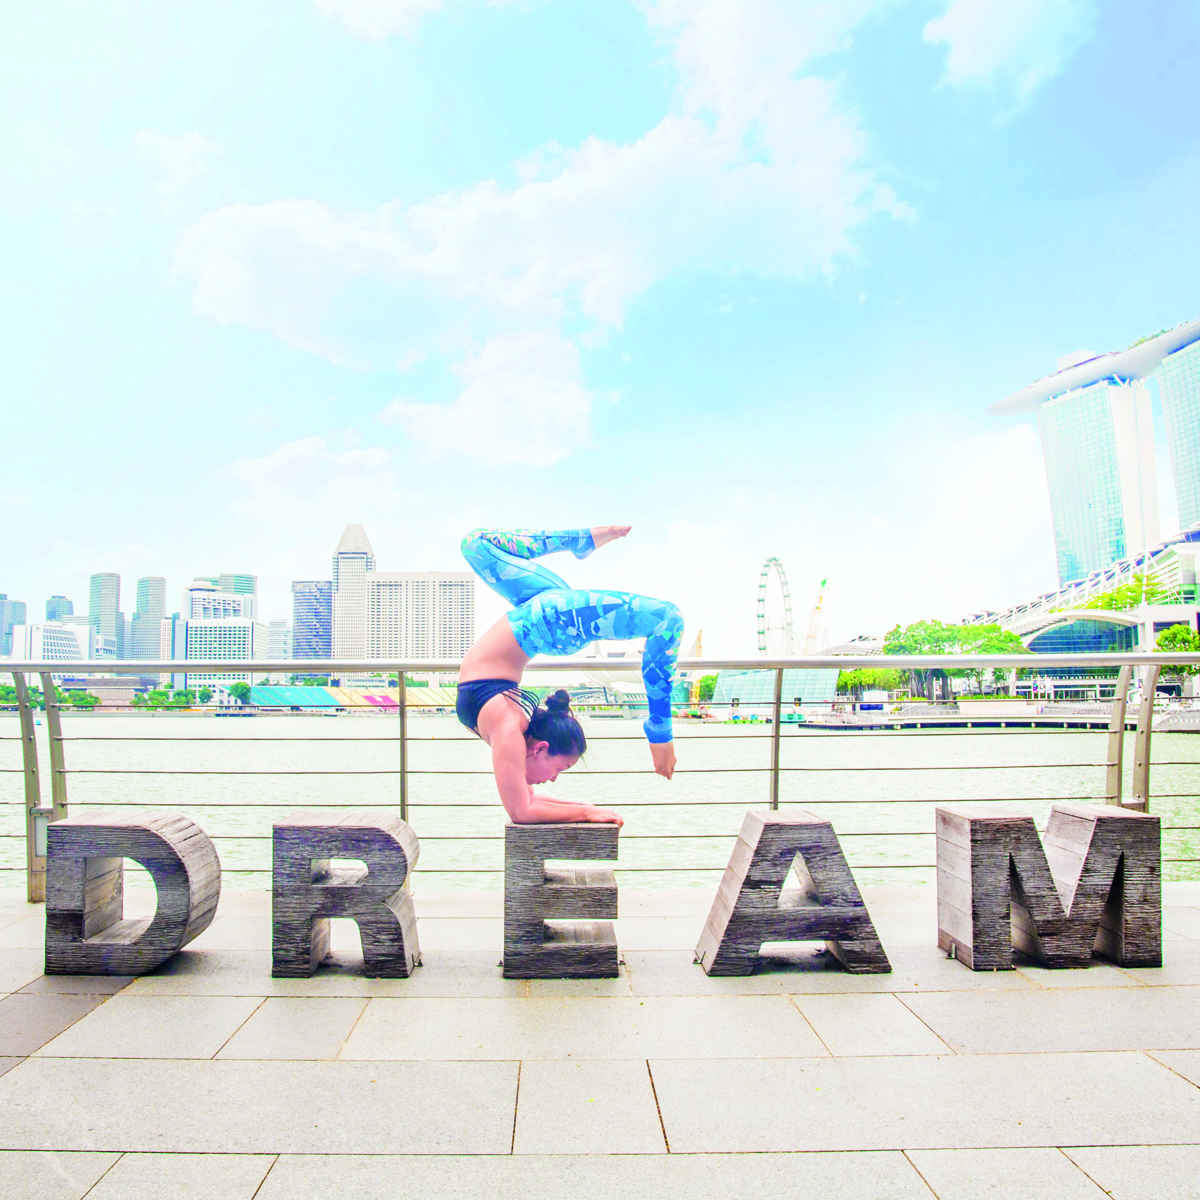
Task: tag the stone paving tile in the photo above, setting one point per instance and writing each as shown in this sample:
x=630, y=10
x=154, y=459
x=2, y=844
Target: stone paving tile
x=7, y=1064
x=1062, y=1020
x=228, y=1107
x=436, y=934
x=1181, y=965
x=248, y=973
x=922, y=1102
x=235, y=933
x=296, y=1027
x=880, y=1176
x=183, y=1177
x=1183, y=921
x=587, y=1108
x=11, y=913
x=808, y=969
x=19, y=967
x=868, y=1024
x=1027, y=1174
x=582, y=987
x=28, y=1022
x=26, y=933
x=1097, y=974
x=78, y=985
x=1141, y=1172
x=658, y=933
x=1183, y=1062
x=593, y=1028
x=153, y=1027
x=50, y=1174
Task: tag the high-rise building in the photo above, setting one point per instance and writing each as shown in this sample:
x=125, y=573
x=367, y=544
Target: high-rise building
x=58, y=607
x=1179, y=390
x=312, y=618
x=279, y=639
x=104, y=609
x=204, y=602
x=147, y=620
x=12, y=613
x=1098, y=444
x=352, y=559
x=238, y=585
x=419, y=614
x=227, y=638
x=51, y=642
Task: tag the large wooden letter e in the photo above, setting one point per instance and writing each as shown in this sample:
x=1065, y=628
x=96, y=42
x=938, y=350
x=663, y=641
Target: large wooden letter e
x=752, y=906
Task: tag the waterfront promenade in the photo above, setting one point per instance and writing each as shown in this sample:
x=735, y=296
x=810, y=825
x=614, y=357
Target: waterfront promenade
x=209, y=1079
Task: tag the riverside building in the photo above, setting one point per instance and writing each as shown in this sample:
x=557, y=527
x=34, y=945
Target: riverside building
x=312, y=618
x=352, y=560
x=1097, y=434
x=239, y=638
x=12, y=613
x=419, y=614
x=148, y=617
x=104, y=609
x=58, y=607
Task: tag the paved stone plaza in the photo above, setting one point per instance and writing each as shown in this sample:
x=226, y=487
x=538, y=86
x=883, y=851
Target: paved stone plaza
x=209, y=1079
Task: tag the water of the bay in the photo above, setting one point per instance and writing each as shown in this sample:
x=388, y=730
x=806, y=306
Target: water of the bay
x=237, y=775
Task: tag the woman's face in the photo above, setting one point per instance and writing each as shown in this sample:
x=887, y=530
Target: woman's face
x=543, y=767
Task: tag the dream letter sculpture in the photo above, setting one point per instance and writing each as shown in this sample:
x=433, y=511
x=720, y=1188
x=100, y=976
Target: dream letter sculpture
x=752, y=907
x=1097, y=885
x=86, y=933
x=536, y=947
x=307, y=891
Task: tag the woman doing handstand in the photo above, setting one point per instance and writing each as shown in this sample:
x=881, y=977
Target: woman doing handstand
x=532, y=744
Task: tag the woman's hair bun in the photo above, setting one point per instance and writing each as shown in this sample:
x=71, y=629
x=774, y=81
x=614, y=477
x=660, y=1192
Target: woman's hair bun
x=558, y=702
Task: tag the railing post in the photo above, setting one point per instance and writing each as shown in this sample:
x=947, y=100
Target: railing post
x=35, y=814
x=403, y=750
x=1139, y=799
x=1115, y=779
x=58, y=765
x=776, y=734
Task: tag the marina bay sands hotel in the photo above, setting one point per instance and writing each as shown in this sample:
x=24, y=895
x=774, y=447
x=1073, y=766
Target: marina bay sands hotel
x=1098, y=441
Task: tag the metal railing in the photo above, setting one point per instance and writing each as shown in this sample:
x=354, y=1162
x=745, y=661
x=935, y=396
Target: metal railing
x=38, y=814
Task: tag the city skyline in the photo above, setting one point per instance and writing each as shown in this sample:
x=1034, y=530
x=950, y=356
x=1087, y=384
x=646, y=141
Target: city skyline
x=749, y=287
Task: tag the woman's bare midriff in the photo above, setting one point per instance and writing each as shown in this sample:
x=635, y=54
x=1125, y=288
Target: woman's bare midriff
x=495, y=655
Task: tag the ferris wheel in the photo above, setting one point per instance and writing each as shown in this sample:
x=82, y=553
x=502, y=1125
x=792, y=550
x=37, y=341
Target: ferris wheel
x=774, y=612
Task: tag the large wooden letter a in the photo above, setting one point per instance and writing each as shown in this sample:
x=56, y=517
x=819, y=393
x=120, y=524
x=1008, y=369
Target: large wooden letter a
x=1097, y=885
x=752, y=906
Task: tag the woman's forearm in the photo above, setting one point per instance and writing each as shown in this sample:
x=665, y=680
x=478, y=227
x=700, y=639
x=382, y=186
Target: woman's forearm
x=538, y=809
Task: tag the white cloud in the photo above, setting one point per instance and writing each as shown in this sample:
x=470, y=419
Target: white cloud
x=523, y=401
x=759, y=168
x=305, y=480
x=180, y=159
x=1010, y=45
x=378, y=19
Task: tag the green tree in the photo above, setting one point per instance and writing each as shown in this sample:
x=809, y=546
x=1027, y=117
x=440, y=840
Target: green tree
x=1179, y=637
x=705, y=688
x=83, y=700
x=854, y=683
x=205, y=694
x=240, y=692
x=936, y=637
x=1139, y=590
x=183, y=698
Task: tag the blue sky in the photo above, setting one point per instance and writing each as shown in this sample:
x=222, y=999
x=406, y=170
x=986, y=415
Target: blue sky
x=745, y=275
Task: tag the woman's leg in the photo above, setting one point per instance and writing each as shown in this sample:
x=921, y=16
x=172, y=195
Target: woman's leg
x=501, y=558
x=563, y=621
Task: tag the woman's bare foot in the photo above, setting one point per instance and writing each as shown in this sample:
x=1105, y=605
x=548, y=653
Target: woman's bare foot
x=603, y=534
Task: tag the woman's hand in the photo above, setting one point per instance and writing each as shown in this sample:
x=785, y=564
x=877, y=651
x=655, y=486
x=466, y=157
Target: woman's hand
x=603, y=816
x=663, y=754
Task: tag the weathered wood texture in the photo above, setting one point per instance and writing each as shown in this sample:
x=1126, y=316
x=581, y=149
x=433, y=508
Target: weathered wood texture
x=752, y=907
x=1095, y=885
x=308, y=891
x=86, y=933
x=577, y=944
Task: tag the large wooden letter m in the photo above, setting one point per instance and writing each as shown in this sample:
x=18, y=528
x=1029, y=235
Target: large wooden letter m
x=1095, y=884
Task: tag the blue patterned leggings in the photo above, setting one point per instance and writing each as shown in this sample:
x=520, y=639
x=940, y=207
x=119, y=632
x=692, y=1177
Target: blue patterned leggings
x=551, y=618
